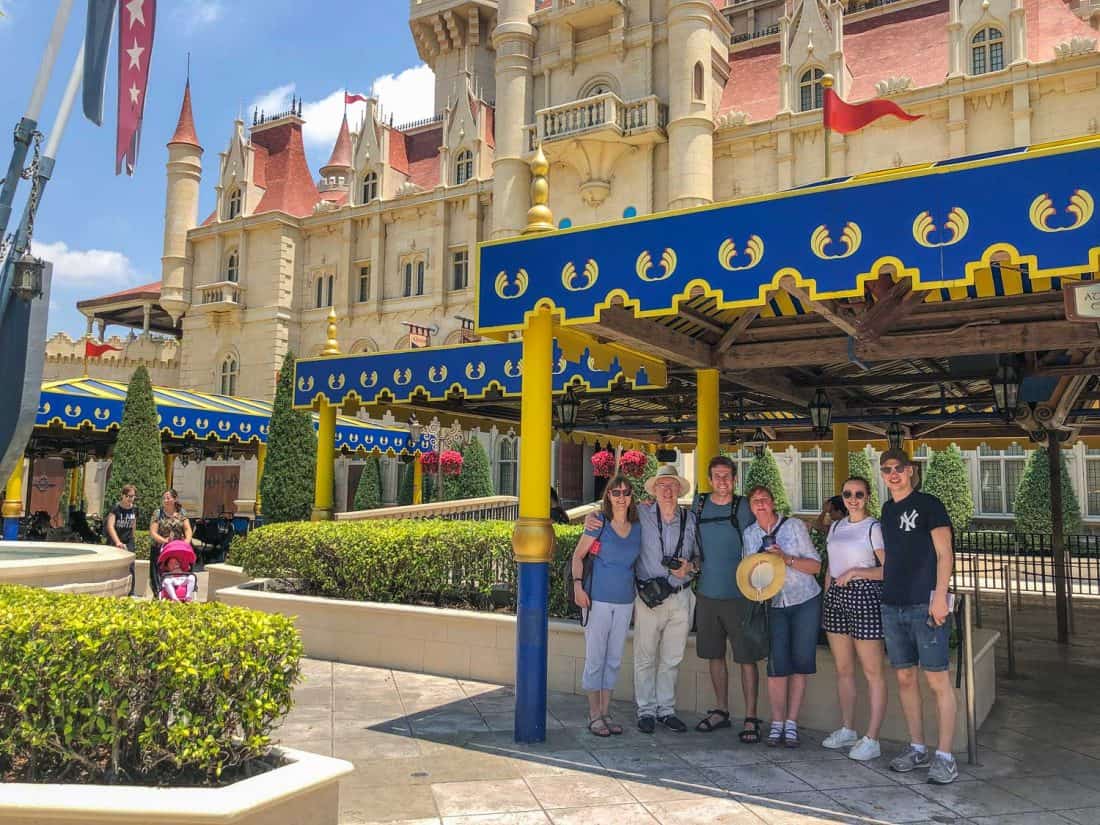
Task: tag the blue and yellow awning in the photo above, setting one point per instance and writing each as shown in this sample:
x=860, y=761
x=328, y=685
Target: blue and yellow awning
x=943, y=225
x=96, y=405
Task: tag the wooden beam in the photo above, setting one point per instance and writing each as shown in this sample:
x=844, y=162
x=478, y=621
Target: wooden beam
x=969, y=340
x=772, y=384
x=737, y=328
x=896, y=305
x=829, y=310
x=697, y=318
x=648, y=336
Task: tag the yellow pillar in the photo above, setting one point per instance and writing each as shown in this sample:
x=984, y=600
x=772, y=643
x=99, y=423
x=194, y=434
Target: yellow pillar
x=74, y=487
x=706, y=416
x=533, y=538
x=910, y=446
x=12, y=508
x=840, y=457
x=261, y=459
x=169, y=470
x=326, y=464
x=418, y=481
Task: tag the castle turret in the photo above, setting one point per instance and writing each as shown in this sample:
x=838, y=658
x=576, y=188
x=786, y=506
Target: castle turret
x=181, y=210
x=514, y=39
x=336, y=174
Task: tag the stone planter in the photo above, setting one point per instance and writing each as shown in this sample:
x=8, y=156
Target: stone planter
x=482, y=646
x=304, y=792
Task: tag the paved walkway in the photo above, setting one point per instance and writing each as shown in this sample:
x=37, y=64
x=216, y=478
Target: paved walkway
x=431, y=750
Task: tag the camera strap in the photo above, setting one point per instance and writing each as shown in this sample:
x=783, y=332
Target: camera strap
x=661, y=532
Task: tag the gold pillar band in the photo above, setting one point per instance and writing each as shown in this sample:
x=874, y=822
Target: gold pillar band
x=533, y=540
x=13, y=492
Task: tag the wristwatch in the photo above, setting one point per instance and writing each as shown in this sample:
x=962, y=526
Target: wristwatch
x=789, y=560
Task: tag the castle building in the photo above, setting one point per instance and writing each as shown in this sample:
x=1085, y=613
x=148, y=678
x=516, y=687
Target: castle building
x=640, y=105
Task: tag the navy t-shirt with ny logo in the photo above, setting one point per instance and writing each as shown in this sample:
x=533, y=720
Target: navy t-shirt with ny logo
x=909, y=575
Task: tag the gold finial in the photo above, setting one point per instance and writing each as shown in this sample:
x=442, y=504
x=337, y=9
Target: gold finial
x=539, y=216
x=331, y=346
x=826, y=81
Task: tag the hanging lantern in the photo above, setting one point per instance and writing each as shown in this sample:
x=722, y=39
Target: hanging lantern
x=821, y=413
x=895, y=435
x=1006, y=389
x=565, y=410
x=758, y=442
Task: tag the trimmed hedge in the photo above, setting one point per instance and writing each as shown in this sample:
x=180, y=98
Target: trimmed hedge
x=96, y=690
x=399, y=560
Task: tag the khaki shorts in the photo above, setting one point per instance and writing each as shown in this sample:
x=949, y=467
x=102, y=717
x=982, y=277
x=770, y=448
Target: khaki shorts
x=717, y=620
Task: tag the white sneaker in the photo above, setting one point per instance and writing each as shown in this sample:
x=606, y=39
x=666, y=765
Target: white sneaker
x=865, y=750
x=840, y=738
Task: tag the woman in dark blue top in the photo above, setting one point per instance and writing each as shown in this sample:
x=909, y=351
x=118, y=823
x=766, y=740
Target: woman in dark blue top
x=609, y=599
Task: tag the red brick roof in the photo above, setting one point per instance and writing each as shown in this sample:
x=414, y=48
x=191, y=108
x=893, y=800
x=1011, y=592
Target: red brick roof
x=185, y=127
x=422, y=150
x=908, y=43
x=341, y=152
x=490, y=125
x=1050, y=22
x=145, y=291
x=399, y=160
x=287, y=179
x=753, y=86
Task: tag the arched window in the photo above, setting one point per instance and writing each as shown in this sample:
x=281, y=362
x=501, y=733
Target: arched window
x=420, y=277
x=232, y=267
x=230, y=369
x=233, y=204
x=597, y=86
x=987, y=51
x=810, y=94
x=408, y=290
x=464, y=167
x=506, y=467
x=697, y=82
x=370, y=187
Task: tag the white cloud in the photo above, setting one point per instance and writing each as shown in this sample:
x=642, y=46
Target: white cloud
x=409, y=95
x=86, y=267
x=196, y=13
x=5, y=12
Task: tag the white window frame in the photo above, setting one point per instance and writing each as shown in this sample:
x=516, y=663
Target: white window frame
x=822, y=463
x=811, y=79
x=507, y=463
x=233, y=267
x=370, y=187
x=982, y=44
x=233, y=203
x=230, y=371
x=460, y=262
x=464, y=167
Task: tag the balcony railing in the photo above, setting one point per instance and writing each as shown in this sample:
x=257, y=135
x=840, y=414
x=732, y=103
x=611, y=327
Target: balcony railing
x=504, y=508
x=601, y=112
x=756, y=35
x=224, y=294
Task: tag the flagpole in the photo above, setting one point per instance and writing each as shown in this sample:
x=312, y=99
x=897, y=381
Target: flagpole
x=826, y=87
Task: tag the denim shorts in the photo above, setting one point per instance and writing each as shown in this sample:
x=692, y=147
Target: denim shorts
x=794, y=638
x=910, y=641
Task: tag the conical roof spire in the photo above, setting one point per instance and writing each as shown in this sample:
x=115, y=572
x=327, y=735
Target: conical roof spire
x=185, y=129
x=341, y=152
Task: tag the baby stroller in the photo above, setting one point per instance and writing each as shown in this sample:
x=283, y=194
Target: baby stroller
x=178, y=583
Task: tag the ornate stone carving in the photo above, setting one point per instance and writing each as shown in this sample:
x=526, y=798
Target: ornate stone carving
x=731, y=120
x=893, y=86
x=408, y=188
x=1074, y=47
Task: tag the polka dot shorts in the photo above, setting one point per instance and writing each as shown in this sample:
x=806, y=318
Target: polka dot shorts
x=854, y=610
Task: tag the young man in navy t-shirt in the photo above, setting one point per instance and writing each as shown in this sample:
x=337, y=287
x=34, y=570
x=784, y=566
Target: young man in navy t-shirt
x=917, y=533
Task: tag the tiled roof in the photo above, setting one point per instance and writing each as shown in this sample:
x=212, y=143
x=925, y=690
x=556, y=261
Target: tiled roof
x=908, y=43
x=753, y=86
x=287, y=179
x=1050, y=22
x=341, y=152
x=422, y=150
x=399, y=160
x=145, y=291
x=490, y=126
x=185, y=127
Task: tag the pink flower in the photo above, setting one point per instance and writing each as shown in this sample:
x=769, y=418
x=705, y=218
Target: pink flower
x=603, y=464
x=451, y=462
x=632, y=463
x=430, y=461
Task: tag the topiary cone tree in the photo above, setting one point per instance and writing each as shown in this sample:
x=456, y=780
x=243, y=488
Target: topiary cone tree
x=1032, y=504
x=948, y=480
x=859, y=464
x=287, y=485
x=405, y=490
x=476, y=479
x=138, y=458
x=368, y=495
x=763, y=470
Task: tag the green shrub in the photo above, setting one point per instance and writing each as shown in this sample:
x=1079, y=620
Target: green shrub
x=100, y=690
x=405, y=490
x=142, y=542
x=475, y=480
x=948, y=480
x=1032, y=502
x=638, y=484
x=764, y=470
x=400, y=560
x=137, y=457
x=368, y=494
x=286, y=489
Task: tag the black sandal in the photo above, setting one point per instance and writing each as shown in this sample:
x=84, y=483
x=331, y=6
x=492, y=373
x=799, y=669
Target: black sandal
x=751, y=736
x=602, y=731
x=707, y=726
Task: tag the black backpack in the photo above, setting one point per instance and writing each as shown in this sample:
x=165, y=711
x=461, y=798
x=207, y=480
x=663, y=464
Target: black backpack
x=586, y=578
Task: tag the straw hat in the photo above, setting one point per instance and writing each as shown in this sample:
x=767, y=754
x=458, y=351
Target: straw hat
x=761, y=575
x=667, y=471
x=179, y=550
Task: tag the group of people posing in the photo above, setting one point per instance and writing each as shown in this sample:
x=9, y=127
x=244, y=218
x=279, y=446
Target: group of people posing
x=170, y=553
x=663, y=565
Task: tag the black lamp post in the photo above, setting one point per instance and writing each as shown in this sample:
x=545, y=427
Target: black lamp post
x=1006, y=389
x=895, y=435
x=759, y=441
x=27, y=277
x=566, y=411
x=821, y=413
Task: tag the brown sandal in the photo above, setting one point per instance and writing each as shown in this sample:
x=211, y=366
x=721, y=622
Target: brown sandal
x=613, y=727
x=602, y=731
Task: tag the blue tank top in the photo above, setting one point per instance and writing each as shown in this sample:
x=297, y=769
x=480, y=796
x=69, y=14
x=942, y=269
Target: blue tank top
x=613, y=568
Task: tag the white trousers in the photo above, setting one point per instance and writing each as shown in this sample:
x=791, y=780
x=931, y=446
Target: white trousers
x=660, y=635
x=604, y=638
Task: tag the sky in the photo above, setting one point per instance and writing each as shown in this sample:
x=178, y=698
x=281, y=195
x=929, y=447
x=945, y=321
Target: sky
x=104, y=233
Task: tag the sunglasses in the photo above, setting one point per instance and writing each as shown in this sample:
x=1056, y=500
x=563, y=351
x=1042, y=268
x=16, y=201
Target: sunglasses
x=857, y=494
x=893, y=469
x=622, y=493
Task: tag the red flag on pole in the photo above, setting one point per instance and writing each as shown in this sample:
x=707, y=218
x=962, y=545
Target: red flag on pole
x=136, y=21
x=847, y=117
x=93, y=350
x=352, y=97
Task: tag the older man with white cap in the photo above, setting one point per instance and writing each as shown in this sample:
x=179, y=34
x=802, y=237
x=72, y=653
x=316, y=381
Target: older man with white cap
x=664, y=605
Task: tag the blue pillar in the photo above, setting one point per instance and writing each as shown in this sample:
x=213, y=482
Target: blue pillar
x=11, y=529
x=532, y=634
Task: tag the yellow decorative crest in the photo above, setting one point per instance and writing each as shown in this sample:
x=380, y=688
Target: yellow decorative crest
x=559, y=367
x=305, y=384
x=368, y=381
x=402, y=377
x=336, y=381
x=475, y=371
x=851, y=236
x=45, y=410
x=354, y=438
x=101, y=413
x=508, y=288
x=178, y=420
x=224, y=426
x=513, y=370
x=958, y=223
x=1081, y=206
x=727, y=251
x=645, y=263
x=204, y=423
x=437, y=376
x=72, y=411
x=246, y=428
x=590, y=274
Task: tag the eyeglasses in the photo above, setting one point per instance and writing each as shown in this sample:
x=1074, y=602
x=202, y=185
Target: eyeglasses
x=859, y=494
x=893, y=469
x=622, y=493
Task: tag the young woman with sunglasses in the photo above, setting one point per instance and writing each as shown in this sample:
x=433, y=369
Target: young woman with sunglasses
x=853, y=619
x=609, y=599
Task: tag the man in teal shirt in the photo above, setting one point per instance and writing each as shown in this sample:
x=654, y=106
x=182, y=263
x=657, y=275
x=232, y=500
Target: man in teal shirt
x=720, y=607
